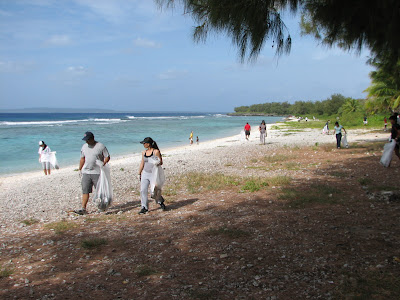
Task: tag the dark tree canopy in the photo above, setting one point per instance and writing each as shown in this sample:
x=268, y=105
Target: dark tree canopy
x=351, y=24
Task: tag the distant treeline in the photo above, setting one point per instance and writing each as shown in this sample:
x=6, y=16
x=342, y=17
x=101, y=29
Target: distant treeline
x=336, y=104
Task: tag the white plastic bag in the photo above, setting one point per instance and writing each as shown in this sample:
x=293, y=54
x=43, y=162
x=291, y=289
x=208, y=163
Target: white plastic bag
x=158, y=177
x=104, y=191
x=325, y=129
x=387, y=153
x=53, y=160
x=344, y=141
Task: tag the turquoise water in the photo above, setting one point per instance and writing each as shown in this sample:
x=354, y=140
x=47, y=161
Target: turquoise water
x=120, y=132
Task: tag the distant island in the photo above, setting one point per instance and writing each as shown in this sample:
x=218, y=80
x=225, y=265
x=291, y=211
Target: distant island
x=238, y=114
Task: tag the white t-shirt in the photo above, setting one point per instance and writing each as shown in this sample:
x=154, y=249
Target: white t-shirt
x=44, y=154
x=91, y=155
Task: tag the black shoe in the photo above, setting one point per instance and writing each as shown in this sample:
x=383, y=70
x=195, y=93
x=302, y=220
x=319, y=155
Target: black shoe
x=143, y=211
x=162, y=205
x=80, y=212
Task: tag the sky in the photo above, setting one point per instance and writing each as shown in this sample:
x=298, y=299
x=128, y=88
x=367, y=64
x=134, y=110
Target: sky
x=130, y=55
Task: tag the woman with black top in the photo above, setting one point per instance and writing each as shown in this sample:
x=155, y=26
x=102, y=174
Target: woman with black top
x=263, y=132
x=145, y=174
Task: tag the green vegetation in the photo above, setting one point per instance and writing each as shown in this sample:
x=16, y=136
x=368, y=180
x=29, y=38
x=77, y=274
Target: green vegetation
x=254, y=184
x=313, y=194
x=61, y=226
x=364, y=180
x=349, y=111
x=143, y=270
x=5, y=272
x=279, y=180
x=93, y=243
x=227, y=232
x=29, y=222
x=194, y=183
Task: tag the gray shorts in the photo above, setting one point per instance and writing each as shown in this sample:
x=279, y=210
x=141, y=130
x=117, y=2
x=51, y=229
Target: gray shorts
x=46, y=165
x=88, y=181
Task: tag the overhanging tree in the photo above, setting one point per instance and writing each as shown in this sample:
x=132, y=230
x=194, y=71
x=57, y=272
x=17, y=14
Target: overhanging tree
x=250, y=23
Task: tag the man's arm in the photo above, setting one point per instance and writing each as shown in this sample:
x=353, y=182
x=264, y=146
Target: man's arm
x=106, y=160
x=81, y=163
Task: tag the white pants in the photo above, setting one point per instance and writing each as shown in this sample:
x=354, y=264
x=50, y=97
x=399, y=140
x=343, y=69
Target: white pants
x=262, y=137
x=144, y=187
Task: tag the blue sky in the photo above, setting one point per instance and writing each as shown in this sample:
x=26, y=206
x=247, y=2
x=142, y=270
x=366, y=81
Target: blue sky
x=130, y=55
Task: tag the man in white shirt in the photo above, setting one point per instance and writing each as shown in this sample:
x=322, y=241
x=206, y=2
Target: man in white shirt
x=93, y=154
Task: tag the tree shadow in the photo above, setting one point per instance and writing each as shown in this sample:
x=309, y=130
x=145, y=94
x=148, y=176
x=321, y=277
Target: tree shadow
x=181, y=203
x=123, y=207
x=249, y=247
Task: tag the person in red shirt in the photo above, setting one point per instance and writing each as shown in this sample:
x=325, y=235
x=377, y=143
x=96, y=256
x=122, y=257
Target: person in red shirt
x=247, y=129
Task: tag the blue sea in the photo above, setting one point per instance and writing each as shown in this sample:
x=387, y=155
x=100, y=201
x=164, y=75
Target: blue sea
x=119, y=132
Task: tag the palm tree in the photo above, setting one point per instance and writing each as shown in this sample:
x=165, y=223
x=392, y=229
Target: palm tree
x=382, y=97
x=351, y=105
x=384, y=92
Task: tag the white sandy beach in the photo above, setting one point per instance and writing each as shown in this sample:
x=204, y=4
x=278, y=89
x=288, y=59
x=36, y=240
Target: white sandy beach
x=49, y=198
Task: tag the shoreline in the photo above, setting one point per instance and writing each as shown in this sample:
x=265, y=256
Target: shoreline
x=118, y=158
x=33, y=195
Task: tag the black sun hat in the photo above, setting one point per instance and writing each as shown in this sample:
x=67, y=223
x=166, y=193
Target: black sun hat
x=148, y=140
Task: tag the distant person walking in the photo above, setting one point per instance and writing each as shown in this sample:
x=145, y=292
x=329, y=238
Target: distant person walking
x=385, y=122
x=338, y=130
x=395, y=134
x=365, y=121
x=93, y=154
x=326, y=127
x=44, y=157
x=191, y=138
x=263, y=132
x=247, y=129
x=146, y=174
x=197, y=140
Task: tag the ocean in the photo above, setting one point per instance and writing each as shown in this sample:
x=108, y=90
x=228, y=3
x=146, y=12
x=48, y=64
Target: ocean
x=121, y=133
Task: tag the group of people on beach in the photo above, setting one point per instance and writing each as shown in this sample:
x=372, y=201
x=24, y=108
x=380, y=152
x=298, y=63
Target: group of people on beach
x=262, y=129
x=94, y=155
x=191, y=138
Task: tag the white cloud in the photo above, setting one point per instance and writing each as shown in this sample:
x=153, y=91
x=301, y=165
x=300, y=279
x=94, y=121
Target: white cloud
x=172, y=74
x=139, y=42
x=59, y=40
x=15, y=67
x=79, y=70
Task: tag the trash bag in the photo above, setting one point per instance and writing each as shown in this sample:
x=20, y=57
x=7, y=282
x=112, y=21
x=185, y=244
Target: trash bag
x=344, y=141
x=53, y=160
x=158, y=177
x=103, y=195
x=325, y=130
x=387, y=153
